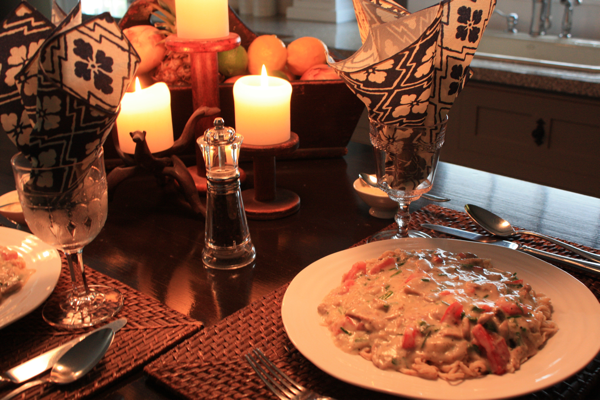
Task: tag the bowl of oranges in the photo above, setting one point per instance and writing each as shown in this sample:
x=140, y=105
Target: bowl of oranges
x=304, y=59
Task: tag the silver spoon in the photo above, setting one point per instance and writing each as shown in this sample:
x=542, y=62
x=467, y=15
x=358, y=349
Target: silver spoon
x=75, y=363
x=372, y=181
x=500, y=227
x=583, y=265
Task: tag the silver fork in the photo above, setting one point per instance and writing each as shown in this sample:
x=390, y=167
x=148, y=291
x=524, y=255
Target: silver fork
x=278, y=382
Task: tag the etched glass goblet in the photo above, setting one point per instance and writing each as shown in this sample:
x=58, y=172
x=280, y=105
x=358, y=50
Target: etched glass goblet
x=66, y=207
x=407, y=158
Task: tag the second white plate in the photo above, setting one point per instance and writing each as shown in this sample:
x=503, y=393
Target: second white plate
x=44, y=259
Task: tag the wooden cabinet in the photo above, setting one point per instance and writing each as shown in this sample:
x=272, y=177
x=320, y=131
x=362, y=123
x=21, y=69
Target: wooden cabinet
x=527, y=134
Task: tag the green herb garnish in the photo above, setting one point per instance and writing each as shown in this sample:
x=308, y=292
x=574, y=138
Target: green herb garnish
x=387, y=295
x=427, y=334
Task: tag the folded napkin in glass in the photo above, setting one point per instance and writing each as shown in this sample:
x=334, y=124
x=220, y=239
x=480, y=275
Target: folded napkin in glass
x=61, y=85
x=411, y=67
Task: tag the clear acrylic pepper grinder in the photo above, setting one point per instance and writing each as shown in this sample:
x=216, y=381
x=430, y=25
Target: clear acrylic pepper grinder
x=227, y=243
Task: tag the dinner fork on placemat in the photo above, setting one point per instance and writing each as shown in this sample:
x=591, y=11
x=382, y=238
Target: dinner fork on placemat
x=278, y=382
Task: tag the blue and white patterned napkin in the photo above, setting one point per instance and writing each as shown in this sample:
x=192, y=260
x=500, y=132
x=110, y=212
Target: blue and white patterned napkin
x=61, y=86
x=411, y=67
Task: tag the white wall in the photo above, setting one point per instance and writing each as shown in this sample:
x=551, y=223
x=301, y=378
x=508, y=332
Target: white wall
x=94, y=7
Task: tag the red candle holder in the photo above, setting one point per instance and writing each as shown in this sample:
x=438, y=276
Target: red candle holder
x=205, y=84
x=265, y=201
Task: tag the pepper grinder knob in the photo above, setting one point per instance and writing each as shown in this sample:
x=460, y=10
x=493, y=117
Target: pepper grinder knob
x=220, y=147
x=220, y=134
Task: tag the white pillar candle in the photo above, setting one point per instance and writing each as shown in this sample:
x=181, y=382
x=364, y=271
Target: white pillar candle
x=262, y=109
x=202, y=19
x=147, y=110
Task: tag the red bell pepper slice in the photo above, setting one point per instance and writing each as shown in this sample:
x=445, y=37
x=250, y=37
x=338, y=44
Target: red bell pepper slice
x=509, y=307
x=8, y=255
x=496, y=350
x=436, y=259
x=453, y=313
x=346, y=286
x=359, y=266
x=408, y=340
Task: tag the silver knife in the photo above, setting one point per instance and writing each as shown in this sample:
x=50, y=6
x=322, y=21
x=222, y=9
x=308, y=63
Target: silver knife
x=43, y=362
x=584, y=265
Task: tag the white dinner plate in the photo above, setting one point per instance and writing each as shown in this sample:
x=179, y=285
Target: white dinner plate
x=39, y=256
x=576, y=312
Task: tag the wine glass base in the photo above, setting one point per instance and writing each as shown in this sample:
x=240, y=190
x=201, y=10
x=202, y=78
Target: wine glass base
x=67, y=311
x=384, y=235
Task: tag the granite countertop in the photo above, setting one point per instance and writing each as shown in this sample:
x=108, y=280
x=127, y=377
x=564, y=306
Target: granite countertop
x=558, y=81
x=346, y=38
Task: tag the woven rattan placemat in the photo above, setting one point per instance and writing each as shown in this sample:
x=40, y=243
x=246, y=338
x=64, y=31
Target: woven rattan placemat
x=210, y=365
x=152, y=328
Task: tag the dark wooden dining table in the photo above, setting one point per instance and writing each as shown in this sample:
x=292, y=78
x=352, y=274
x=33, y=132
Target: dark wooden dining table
x=152, y=243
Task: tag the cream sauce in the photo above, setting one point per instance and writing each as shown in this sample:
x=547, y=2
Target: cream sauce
x=432, y=313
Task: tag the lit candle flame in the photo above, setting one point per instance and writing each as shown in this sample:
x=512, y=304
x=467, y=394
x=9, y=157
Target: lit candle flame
x=138, y=87
x=264, y=78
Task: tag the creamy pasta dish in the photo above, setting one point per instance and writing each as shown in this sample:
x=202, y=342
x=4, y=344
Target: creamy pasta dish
x=436, y=314
x=13, y=272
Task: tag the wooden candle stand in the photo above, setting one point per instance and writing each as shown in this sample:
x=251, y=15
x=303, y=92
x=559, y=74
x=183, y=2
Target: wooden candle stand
x=205, y=84
x=265, y=201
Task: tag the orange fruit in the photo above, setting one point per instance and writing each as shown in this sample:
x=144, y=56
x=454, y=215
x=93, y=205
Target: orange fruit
x=304, y=53
x=268, y=50
x=233, y=62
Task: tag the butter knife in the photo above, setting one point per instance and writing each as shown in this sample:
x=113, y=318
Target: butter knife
x=583, y=265
x=43, y=362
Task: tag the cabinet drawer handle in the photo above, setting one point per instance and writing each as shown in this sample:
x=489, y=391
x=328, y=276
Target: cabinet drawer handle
x=539, y=132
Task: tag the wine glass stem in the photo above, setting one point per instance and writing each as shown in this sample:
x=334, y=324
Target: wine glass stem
x=75, y=261
x=402, y=218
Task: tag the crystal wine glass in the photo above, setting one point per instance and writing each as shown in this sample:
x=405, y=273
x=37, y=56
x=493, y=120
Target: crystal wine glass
x=66, y=207
x=407, y=158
